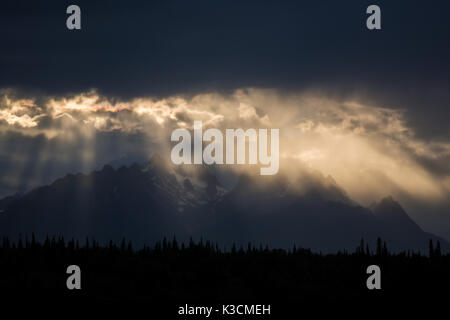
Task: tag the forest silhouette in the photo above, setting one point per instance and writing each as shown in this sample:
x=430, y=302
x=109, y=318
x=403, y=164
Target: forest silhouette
x=171, y=272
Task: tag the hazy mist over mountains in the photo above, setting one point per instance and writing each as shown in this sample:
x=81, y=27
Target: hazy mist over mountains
x=144, y=203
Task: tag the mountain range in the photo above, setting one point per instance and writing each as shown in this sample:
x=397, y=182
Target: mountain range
x=144, y=203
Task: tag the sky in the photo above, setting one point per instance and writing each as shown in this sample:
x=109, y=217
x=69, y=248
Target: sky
x=369, y=108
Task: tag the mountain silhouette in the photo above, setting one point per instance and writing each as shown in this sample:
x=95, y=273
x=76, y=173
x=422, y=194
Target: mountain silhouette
x=144, y=203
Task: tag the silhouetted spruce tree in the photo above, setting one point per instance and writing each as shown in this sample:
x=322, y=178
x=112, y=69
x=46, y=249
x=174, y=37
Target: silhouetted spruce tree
x=62, y=243
x=379, y=247
x=437, y=251
x=385, y=250
x=71, y=245
x=47, y=241
x=164, y=244
x=33, y=240
x=6, y=243
x=430, y=249
x=157, y=248
x=367, y=250
x=94, y=244
x=20, y=243
x=360, y=249
x=27, y=242
x=175, y=244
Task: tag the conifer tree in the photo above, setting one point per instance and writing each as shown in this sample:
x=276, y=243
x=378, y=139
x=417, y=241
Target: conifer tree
x=385, y=250
x=430, y=249
x=361, y=247
x=438, y=249
x=379, y=247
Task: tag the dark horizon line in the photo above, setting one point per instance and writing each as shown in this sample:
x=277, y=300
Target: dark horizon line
x=207, y=246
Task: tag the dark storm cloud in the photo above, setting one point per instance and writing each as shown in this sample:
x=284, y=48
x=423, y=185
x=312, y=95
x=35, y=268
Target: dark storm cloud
x=160, y=48
x=141, y=48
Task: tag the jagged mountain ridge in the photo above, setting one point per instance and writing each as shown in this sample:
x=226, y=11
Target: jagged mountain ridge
x=147, y=202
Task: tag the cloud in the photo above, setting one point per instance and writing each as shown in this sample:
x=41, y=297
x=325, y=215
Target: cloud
x=19, y=112
x=370, y=150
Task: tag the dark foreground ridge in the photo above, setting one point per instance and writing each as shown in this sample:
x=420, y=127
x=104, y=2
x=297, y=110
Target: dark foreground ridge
x=171, y=273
